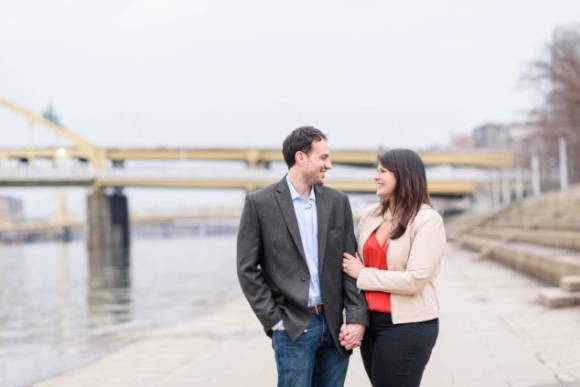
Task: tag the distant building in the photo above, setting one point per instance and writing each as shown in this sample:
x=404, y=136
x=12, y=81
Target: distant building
x=10, y=209
x=462, y=142
x=493, y=136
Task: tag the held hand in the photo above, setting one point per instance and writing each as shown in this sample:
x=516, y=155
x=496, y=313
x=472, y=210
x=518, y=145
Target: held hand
x=351, y=335
x=342, y=337
x=351, y=265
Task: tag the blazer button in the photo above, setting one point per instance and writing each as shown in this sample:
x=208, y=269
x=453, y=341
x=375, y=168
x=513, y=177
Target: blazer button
x=303, y=279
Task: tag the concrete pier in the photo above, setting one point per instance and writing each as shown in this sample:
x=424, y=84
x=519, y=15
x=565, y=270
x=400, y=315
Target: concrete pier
x=107, y=220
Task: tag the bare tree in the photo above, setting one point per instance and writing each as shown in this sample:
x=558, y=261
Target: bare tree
x=557, y=78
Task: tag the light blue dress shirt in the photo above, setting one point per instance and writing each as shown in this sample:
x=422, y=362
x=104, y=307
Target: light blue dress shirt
x=308, y=225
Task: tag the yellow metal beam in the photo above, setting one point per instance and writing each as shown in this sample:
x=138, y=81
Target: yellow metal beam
x=144, y=218
x=458, y=188
x=29, y=226
x=85, y=146
x=41, y=153
x=252, y=156
x=475, y=158
x=435, y=187
x=472, y=159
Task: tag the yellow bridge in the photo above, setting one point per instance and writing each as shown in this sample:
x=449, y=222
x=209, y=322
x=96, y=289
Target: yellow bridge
x=250, y=183
x=254, y=157
x=99, y=167
x=84, y=149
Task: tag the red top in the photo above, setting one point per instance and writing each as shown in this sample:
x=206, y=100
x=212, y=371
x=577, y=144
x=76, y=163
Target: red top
x=376, y=256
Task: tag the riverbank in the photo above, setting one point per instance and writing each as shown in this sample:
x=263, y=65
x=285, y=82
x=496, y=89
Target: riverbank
x=493, y=333
x=62, y=307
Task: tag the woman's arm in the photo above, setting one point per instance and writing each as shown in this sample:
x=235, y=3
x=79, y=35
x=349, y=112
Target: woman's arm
x=427, y=250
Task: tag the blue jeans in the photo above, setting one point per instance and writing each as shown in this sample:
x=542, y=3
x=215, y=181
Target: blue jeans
x=310, y=361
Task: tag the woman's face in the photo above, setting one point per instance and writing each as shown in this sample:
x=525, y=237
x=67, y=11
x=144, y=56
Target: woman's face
x=386, y=182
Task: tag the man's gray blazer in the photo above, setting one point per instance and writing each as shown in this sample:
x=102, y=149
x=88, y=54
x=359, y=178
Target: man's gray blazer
x=272, y=269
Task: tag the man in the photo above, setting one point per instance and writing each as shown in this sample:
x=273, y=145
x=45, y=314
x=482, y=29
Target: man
x=291, y=239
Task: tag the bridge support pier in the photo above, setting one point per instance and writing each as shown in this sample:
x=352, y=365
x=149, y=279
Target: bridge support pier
x=108, y=220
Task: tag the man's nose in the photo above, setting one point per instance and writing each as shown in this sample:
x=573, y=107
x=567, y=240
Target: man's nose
x=328, y=164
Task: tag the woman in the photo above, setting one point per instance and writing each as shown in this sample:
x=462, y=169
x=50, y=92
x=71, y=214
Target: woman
x=401, y=241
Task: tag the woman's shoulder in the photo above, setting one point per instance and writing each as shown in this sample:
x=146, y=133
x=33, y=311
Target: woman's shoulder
x=368, y=213
x=427, y=214
x=371, y=210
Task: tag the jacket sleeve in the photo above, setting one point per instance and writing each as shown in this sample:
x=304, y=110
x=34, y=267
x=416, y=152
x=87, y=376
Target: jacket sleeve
x=426, y=253
x=355, y=305
x=249, y=257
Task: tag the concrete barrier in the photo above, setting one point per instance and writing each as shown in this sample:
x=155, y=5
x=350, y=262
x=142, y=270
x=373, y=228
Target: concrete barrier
x=558, y=298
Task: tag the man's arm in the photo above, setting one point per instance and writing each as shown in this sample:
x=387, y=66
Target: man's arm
x=356, y=309
x=250, y=274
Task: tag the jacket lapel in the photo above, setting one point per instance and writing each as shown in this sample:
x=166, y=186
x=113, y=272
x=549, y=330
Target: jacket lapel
x=287, y=208
x=370, y=225
x=322, y=216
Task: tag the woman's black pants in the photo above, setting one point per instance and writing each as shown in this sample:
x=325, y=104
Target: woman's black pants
x=395, y=355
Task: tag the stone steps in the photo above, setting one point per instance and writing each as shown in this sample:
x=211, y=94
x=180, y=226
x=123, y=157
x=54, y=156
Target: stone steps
x=545, y=263
x=553, y=238
x=553, y=265
x=568, y=294
x=552, y=224
x=558, y=298
x=537, y=236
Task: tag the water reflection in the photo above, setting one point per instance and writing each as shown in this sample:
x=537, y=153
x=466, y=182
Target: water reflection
x=62, y=306
x=109, y=287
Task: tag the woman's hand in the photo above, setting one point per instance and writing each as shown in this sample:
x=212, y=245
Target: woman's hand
x=352, y=265
x=351, y=335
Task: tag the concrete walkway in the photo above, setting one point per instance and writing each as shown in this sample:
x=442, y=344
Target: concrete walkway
x=493, y=333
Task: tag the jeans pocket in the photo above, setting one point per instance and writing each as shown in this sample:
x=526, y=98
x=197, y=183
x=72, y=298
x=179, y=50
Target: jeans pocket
x=276, y=336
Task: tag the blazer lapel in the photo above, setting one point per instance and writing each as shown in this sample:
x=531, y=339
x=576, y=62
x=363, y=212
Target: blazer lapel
x=322, y=216
x=368, y=227
x=287, y=208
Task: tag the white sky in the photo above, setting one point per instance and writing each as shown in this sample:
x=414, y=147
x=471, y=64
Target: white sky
x=243, y=73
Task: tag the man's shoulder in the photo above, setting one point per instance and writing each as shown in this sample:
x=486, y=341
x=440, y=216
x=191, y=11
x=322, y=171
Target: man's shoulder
x=264, y=193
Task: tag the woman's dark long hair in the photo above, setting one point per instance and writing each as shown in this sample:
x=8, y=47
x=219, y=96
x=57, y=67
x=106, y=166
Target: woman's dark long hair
x=411, y=188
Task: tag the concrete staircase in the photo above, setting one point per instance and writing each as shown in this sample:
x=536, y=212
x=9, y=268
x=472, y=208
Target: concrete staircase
x=539, y=236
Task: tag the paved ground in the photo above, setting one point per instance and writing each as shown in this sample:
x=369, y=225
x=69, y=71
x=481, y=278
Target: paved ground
x=493, y=333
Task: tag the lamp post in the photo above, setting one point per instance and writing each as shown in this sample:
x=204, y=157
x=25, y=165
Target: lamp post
x=563, y=163
x=535, y=173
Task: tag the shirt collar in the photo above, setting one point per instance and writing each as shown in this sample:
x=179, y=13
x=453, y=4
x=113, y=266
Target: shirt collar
x=295, y=193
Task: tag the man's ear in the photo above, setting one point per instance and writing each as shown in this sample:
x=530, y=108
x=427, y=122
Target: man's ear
x=299, y=157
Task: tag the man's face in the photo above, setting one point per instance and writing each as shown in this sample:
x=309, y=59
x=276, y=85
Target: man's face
x=315, y=163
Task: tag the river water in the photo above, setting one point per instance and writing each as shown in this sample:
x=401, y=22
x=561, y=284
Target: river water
x=61, y=306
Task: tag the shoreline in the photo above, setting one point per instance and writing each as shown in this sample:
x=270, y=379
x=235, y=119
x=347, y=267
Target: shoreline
x=112, y=339
x=178, y=346
x=493, y=333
